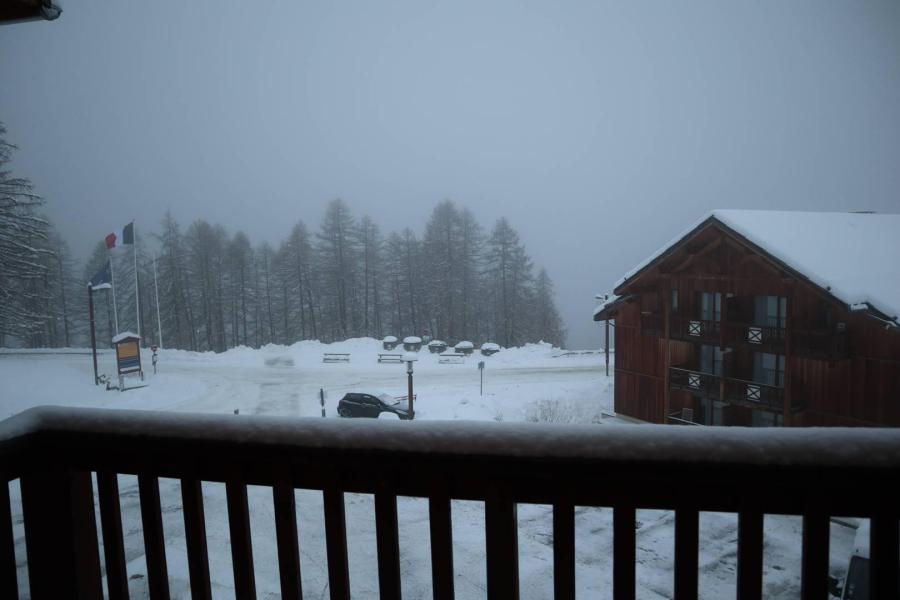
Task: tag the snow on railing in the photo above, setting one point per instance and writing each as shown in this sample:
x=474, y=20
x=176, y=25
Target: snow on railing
x=810, y=472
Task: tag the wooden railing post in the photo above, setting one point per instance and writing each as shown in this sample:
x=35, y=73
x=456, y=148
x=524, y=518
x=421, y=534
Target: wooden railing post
x=113, y=542
x=61, y=535
x=501, y=541
x=623, y=552
x=9, y=586
x=564, y=550
x=440, y=521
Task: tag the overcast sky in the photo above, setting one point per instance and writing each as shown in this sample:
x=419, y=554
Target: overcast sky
x=600, y=130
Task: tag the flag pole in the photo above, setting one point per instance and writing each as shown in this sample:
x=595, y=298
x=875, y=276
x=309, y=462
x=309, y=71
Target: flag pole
x=112, y=282
x=156, y=290
x=137, y=300
x=90, y=290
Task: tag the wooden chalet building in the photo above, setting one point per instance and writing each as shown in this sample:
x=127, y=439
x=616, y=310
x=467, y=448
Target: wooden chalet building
x=763, y=318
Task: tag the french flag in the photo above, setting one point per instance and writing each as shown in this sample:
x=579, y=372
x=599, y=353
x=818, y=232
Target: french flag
x=121, y=237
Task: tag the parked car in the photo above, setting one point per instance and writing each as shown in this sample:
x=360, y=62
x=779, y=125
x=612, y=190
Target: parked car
x=355, y=404
x=855, y=584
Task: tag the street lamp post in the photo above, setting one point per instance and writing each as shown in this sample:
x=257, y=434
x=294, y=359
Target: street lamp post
x=409, y=358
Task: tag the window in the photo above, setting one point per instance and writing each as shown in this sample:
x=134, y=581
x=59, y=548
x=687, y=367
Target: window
x=768, y=368
x=711, y=360
x=710, y=306
x=770, y=311
x=674, y=301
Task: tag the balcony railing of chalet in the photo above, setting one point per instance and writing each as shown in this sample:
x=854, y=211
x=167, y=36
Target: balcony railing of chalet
x=694, y=330
x=702, y=384
x=760, y=337
x=754, y=394
x=53, y=452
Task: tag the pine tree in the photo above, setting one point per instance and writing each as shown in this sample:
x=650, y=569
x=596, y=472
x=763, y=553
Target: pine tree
x=24, y=258
x=337, y=257
x=548, y=323
x=509, y=270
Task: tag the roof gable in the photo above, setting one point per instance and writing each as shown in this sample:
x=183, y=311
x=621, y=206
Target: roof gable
x=854, y=257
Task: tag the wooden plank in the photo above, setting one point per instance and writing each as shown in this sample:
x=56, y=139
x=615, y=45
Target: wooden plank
x=288, y=544
x=336, y=543
x=388, y=545
x=814, y=570
x=195, y=538
x=241, y=547
x=501, y=540
x=623, y=552
x=564, y=550
x=750, y=555
x=61, y=535
x=113, y=542
x=154, y=539
x=439, y=518
x=885, y=555
x=9, y=586
x=686, y=553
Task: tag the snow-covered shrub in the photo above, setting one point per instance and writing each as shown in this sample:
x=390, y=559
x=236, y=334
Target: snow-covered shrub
x=559, y=411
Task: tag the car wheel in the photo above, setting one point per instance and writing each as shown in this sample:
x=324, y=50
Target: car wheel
x=344, y=412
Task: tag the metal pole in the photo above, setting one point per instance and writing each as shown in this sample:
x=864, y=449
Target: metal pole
x=607, y=347
x=156, y=289
x=112, y=282
x=322, y=400
x=409, y=373
x=93, y=334
x=137, y=300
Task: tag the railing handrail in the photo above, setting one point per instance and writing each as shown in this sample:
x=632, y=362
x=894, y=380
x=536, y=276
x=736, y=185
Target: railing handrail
x=92, y=429
x=689, y=469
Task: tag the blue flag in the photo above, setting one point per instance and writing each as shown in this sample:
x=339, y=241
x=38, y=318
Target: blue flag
x=102, y=280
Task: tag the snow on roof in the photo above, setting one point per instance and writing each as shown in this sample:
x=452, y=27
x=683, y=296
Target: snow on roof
x=437, y=343
x=853, y=256
x=389, y=339
x=490, y=346
x=609, y=300
x=465, y=345
x=125, y=335
x=412, y=339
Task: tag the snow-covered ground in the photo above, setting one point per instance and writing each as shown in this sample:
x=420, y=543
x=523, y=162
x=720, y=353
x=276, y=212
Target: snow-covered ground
x=530, y=383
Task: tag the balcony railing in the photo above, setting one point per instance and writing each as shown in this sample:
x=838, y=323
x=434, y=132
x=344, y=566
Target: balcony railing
x=54, y=451
x=698, y=383
x=754, y=394
x=694, y=330
x=758, y=337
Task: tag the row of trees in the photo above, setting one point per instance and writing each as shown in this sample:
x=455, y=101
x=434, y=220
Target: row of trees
x=347, y=280
x=217, y=290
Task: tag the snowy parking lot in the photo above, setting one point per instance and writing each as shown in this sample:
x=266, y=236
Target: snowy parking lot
x=534, y=383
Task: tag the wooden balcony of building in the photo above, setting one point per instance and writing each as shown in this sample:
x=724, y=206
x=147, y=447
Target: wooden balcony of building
x=728, y=388
x=54, y=452
x=818, y=342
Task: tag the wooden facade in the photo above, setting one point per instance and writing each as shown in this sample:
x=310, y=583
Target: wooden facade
x=716, y=331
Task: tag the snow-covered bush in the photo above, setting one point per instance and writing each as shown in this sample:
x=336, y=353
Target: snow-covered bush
x=556, y=411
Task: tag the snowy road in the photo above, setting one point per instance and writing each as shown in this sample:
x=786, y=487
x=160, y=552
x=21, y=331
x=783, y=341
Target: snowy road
x=286, y=381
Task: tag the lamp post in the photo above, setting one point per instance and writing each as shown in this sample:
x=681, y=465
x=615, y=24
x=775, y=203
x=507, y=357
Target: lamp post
x=605, y=298
x=409, y=358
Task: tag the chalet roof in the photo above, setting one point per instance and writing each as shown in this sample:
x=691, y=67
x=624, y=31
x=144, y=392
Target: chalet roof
x=855, y=257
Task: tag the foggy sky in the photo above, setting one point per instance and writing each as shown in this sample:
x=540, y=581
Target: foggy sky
x=601, y=130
